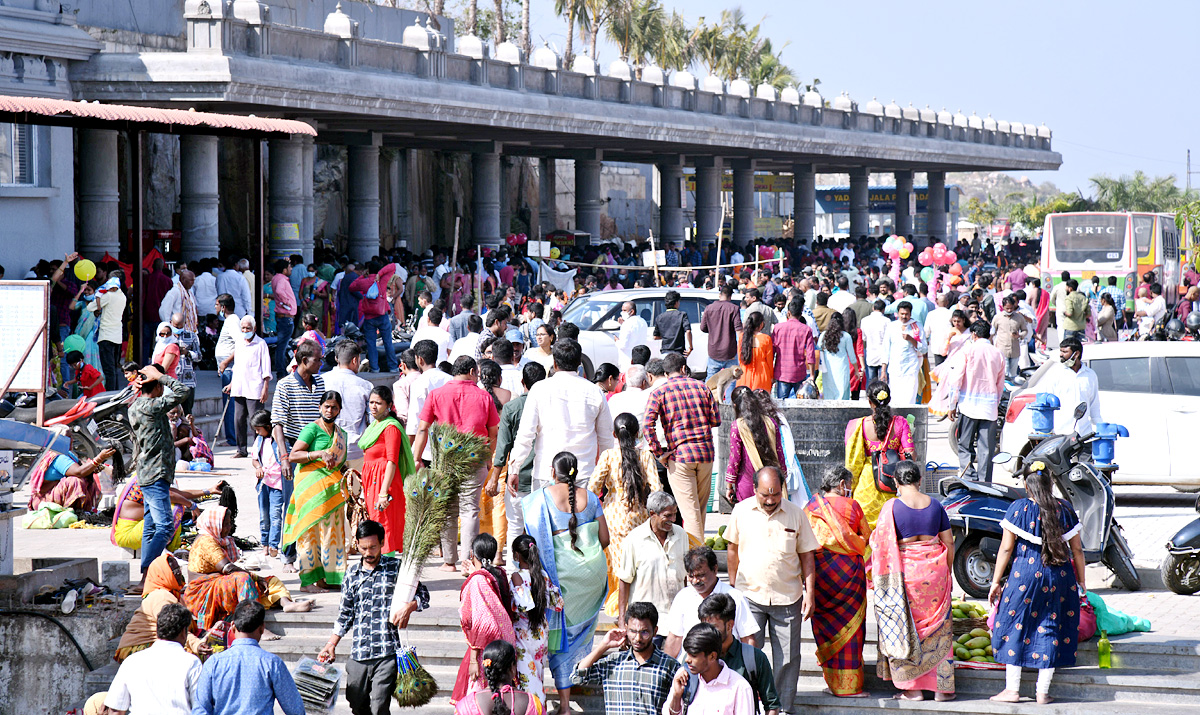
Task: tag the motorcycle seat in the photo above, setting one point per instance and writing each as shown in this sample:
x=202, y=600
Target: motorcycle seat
x=993, y=489
x=57, y=408
x=104, y=397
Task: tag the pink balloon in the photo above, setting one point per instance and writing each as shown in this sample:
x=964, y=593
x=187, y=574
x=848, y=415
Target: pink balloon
x=956, y=269
x=925, y=259
x=951, y=257
x=939, y=250
x=908, y=247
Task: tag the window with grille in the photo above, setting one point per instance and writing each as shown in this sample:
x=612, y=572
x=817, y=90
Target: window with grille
x=17, y=159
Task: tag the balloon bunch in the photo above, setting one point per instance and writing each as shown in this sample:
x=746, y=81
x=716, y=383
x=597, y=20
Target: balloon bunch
x=516, y=239
x=934, y=257
x=896, y=248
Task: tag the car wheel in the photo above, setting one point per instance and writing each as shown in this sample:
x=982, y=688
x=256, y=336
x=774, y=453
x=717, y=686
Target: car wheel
x=972, y=568
x=588, y=370
x=1181, y=574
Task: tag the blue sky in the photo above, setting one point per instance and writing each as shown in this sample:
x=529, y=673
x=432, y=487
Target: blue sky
x=1114, y=81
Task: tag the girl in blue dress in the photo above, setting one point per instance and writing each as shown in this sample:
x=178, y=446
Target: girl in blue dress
x=1037, y=608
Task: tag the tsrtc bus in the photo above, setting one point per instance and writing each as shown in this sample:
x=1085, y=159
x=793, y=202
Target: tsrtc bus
x=1125, y=245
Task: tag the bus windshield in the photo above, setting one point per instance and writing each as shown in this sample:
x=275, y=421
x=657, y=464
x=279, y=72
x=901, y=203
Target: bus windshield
x=1079, y=238
x=1143, y=234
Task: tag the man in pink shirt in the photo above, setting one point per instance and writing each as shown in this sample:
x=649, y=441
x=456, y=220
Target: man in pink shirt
x=795, y=351
x=718, y=689
x=975, y=392
x=462, y=403
x=376, y=313
x=285, y=312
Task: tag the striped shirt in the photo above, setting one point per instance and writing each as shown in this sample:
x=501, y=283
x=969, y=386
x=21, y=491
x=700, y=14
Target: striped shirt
x=631, y=688
x=296, y=405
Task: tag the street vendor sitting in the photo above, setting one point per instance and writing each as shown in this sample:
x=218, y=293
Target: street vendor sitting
x=63, y=480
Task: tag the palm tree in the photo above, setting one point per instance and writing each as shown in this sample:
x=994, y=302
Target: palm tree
x=676, y=47
x=525, y=42
x=498, y=34
x=710, y=42
x=596, y=15
x=770, y=69
x=1138, y=193
x=473, y=17
x=570, y=8
x=636, y=27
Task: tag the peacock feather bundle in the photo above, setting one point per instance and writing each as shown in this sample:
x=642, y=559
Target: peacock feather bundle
x=429, y=495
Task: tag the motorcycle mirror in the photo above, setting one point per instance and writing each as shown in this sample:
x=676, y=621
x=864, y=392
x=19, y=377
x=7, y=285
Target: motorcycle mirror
x=1002, y=458
x=1081, y=410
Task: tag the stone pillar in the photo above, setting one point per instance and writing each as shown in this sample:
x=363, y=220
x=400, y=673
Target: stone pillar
x=670, y=202
x=99, y=209
x=362, y=180
x=860, y=208
x=403, y=212
x=743, y=202
x=903, y=223
x=485, y=197
x=804, y=201
x=286, y=196
x=936, y=225
x=547, y=210
x=708, y=199
x=199, y=200
x=505, y=211
x=306, y=224
x=588, y=201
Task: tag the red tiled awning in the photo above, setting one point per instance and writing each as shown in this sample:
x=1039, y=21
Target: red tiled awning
x=152, y=117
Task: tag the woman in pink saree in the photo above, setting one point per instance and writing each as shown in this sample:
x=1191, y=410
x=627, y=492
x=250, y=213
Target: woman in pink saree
x=485, y=612
x=911, y=556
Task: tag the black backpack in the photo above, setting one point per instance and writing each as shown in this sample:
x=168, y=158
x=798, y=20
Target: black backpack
x=689, y=693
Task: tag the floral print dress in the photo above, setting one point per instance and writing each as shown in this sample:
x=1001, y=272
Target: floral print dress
x=531, y=644
x=621, y=519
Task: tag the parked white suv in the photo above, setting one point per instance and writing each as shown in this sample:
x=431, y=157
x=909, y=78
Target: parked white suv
x=1153, y=388
x=596, y=315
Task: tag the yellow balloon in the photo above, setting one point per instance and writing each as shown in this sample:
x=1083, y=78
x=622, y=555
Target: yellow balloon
x=85, y=270
x=555, y=253
x=904, y=253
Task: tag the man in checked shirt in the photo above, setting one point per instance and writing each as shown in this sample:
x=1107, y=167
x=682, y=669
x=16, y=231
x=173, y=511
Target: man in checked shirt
x=366, y=599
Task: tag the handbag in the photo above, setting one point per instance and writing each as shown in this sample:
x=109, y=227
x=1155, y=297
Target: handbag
x=897, y=632
x=883, y=463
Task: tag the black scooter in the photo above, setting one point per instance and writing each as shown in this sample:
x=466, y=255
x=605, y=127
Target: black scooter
x=1181, y=568
x=977, y=508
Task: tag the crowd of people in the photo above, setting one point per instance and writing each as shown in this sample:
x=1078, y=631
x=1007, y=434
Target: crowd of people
x=596, y=491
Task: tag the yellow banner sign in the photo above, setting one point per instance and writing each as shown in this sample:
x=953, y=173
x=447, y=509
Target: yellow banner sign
x=763, y=183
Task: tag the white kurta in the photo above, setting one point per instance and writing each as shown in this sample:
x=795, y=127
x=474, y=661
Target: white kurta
x=634, y=332
x=904, y=360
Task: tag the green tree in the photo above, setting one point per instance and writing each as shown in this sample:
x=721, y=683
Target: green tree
x=597, y=14
x=676, y=46
x=981, y=213
x=637, y=27
x=573, y=11
x=1139, y=192
x=770, y=69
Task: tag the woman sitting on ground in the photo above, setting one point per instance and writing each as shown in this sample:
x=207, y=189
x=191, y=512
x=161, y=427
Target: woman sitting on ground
x=164, y=584
x=126, y=529
x=63, y=480
x=220, y=584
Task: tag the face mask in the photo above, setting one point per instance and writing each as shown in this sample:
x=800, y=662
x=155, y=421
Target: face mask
x=248, y=334
x=176, y=331
x=1071, y=361
x=327, y=420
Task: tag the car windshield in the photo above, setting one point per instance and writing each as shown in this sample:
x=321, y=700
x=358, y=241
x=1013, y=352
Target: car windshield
x=585, y=311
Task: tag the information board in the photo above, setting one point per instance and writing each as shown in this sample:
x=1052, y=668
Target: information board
x=23, y=312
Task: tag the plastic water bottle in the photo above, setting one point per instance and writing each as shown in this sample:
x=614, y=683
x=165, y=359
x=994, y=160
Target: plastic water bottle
x=1104, y=650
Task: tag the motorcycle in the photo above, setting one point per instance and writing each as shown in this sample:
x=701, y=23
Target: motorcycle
x=91, y=425
x=977, y=508
x=1181, y=568
x=352, y=332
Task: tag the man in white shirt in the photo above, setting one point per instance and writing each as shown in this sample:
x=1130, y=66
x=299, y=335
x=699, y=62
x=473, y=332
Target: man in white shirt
x=110, y=303
x=874, y=330
x=510, y=372
x=634, y=332
x=701, y=565
x=1072, y=382
x=425, y=353
x=466, y=344
x=161, y=679
x=180, y=299
x=842, y=297
x=432, y=331
x=355, y=391
x=231, y=281
x=205, y=287
x=904, y=351
x=937, y=327
x=564, y=412
x=231, y=333
x=633, y=398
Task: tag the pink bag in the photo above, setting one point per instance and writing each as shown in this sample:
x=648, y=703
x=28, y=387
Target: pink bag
x=1087, y=621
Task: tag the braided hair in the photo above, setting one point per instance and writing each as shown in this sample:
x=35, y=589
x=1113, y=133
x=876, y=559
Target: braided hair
x=754, y=324
x=499, y=657
x=490, y=376
x=566, y=467
x=881, y=410
x=626, y=429
x=484, y=547
x=525, y=548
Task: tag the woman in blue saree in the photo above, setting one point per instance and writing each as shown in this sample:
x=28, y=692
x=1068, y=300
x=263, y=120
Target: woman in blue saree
x=571, y=540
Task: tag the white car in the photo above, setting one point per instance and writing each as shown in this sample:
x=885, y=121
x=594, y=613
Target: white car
x=1153, y=389
x=596, y=315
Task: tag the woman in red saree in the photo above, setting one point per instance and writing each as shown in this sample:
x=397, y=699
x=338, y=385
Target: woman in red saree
x=911, y=555
x=840, y=610
x=486, y=613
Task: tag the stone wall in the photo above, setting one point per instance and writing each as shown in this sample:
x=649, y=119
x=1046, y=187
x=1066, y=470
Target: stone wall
x=628, y=190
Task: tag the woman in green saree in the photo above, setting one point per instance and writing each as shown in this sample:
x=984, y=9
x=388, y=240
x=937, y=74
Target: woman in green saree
x=571, y=540
x=315, y=519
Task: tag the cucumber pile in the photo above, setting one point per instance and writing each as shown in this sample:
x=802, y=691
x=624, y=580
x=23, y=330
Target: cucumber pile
x=975, y=646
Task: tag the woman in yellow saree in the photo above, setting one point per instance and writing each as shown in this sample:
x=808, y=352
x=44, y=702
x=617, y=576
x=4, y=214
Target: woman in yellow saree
x=315, y=519
x=879, y=432
x=840, y=609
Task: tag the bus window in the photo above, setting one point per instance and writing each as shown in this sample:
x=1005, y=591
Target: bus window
x=1170, y=240
x=1143, y=235
x=1078, y=238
